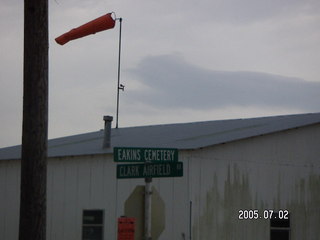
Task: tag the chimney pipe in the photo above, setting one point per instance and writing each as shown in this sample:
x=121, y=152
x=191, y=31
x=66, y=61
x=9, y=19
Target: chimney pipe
x=107, y=131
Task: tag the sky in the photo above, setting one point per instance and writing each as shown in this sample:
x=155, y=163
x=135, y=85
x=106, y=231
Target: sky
x=181, y=61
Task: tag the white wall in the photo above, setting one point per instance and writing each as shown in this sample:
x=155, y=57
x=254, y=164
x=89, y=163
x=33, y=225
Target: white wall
x=9, y=199
x=270, y=172
x=277, y=171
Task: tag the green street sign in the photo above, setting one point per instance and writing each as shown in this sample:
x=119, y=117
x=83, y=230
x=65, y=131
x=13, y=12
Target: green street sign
x=150, y=170
x=131, y=154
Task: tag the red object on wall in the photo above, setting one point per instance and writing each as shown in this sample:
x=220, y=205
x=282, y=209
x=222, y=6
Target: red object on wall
x=126, y=228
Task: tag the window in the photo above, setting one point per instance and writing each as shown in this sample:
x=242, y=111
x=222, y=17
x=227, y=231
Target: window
x=280, y=226
x=92, y=225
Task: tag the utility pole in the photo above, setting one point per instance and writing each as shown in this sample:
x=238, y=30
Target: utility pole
x=32, y=225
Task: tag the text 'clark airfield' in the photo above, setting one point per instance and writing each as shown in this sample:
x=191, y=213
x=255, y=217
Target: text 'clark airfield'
x=150, y=170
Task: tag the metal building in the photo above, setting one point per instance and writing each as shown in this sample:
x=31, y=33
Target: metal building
x=244, y=179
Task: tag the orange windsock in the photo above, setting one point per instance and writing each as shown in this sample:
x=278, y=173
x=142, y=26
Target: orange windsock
x=97, y=25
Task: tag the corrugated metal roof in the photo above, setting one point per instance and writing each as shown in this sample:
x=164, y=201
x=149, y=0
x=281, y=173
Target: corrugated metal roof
x=181, y=135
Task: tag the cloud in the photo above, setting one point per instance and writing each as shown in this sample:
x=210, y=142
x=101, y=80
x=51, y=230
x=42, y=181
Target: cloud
x=276, y=36
x=249, y=11
x=171, y=82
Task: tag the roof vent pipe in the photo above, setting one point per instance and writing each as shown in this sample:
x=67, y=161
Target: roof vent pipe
x=107, y=131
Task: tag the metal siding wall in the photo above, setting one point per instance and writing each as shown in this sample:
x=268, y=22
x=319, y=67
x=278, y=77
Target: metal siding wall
x=165, y=189
x=9, y=199
x=277, y=171
x=181, y=206
x=81, y=183
x=57, y=199
x=49, y=200
x=97, y=183
x=174, y=192
x=3, y=198
x=71, y=213
x=109, y=197
x=77, y=184
x=84, y=183
x=274, y=171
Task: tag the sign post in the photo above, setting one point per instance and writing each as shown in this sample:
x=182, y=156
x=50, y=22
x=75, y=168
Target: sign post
x=147, y=208
x=152, y=163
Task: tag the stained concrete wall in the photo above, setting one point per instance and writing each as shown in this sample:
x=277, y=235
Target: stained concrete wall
x=276, y=171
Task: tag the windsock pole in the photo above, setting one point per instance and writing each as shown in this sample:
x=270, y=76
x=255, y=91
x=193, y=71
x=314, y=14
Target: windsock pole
x=97, y=25
x=119, y=86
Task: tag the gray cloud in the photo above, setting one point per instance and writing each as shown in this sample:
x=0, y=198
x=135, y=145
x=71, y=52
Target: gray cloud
x=173, y=83
x=248, y=11
x=270, y=36
x=232, y=11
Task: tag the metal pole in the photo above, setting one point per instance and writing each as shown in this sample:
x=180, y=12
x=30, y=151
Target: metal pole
x=190, y=221
x=147, y=210
x=118, y=85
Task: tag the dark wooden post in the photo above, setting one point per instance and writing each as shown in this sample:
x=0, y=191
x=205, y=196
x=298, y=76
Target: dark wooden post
x=35, y=122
